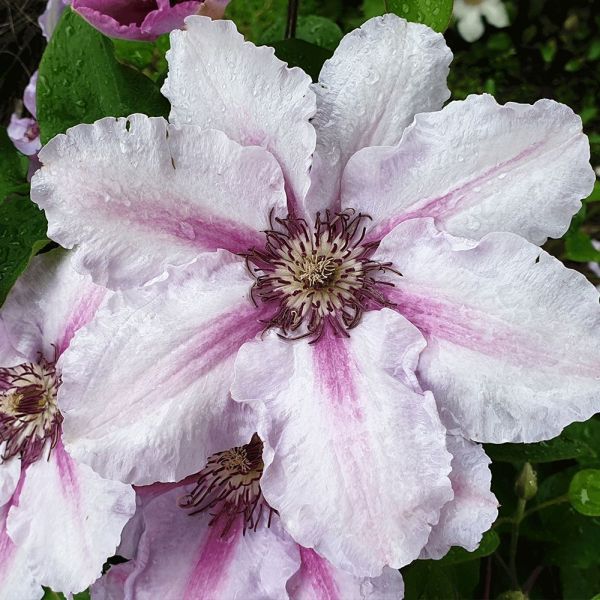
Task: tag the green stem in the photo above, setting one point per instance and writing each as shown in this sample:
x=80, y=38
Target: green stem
x=557, y=500
x=514, y=542
x=292, y=19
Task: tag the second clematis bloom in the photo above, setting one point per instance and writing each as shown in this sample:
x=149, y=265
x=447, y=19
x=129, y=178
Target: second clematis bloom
x=59, y=520
x=214, y=536
x=346, y=268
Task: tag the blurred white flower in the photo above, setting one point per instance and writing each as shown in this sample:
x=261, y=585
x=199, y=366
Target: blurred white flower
x=469, y=16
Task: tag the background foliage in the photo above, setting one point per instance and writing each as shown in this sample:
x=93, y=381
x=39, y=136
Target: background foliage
x=546, y=542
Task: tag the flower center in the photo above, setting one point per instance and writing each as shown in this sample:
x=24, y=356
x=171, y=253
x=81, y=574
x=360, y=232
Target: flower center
x=229, y=486
x=317, y=277
x=29, y=414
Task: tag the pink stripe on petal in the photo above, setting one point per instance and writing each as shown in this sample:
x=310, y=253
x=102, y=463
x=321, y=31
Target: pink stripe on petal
x=218, y=341
x=81, y=315
x=316, y=570
x=68, y=477
x=477, y=331
x=214, y=560
x=334, y=367
x=452, y=202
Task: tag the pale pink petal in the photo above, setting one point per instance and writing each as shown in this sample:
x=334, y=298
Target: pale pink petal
x=10, y=471
x=112, y=585
x=473, y=509
x=380, y=76
x=136, y=195
x=513, y=337
x=9, y=357
x=16, y=580
x=48, y=304
x=180, y=556
x=48, y=20
x=218, y=80
x=67, y=521
x=319, y=580
x=359, y=463
x=477, y=167
x=145, y=390
x=135, y=19
x=24, y=134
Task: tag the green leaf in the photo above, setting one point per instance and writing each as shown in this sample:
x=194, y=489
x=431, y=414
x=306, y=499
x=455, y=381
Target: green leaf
x=22, y=225
x=488, y=545
x=568, y=445
x=434, y=13
x=147, y=57
x=579, y=247
x=80, y=81
x=298, y=53
x=584, y=492
x=432, y=580
x=595, y=195
x=580, y=583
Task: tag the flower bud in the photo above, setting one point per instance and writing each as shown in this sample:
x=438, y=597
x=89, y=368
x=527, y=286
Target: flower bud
x=526, y=483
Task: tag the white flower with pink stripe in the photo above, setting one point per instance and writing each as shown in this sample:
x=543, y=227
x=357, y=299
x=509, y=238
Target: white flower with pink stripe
x=58, y=519
x=396, y=238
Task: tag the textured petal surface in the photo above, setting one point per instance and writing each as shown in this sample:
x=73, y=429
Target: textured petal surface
x=513, y=337
x=48, y=304
x=145, y=389
x=380, y=76
x=319, y=580
x=136, y=195
x=69, y=530
x=359, y=470
x=16, y=580
x=473, y=509
x=10, y=470
x=217, y=80
x=180, y=556
x=135, y=19
x=477, y=167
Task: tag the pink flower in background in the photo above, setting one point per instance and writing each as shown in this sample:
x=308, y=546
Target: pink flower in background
x=58, y=519
x=396, y=238
x=216, y=538
x=136, y=19
x=49, y=18
x=24, y=131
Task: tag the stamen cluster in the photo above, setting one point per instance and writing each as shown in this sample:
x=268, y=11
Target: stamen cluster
x=317, y=277
x=29, y=414
x=229, y=486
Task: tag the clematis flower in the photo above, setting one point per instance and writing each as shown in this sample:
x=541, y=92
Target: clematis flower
x=346, y=268
x=469, y=15
x=214, y=536
x=58, y=519
x=135, y=19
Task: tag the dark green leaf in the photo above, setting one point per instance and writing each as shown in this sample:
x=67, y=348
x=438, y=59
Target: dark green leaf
x=580, y=583
x=432, y=580
x=488, y=546
x=147, y=57
x=298, y=53
x=22, y=225
x=81, y=81
x=566, y=446
x=434, y=13
x=595, y=195
x=584, y=492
